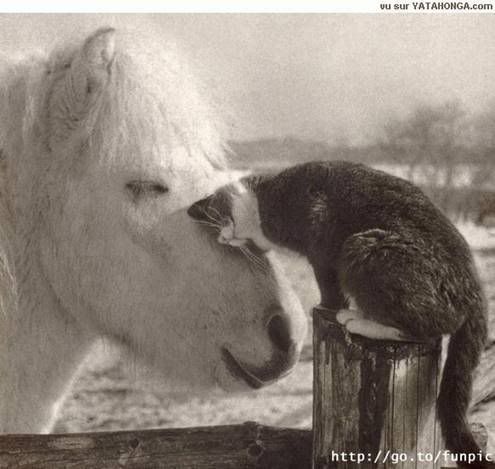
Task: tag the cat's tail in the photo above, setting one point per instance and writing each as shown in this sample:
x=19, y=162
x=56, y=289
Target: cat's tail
x=464, y=351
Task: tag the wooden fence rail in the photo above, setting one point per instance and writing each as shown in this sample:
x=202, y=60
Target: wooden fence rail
x=249, y=445
x=368, y=396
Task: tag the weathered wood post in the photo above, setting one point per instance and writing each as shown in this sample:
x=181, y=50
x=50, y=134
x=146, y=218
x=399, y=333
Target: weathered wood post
x=374, y=401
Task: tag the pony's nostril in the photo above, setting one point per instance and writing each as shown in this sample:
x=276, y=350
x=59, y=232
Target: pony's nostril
x=279, y=332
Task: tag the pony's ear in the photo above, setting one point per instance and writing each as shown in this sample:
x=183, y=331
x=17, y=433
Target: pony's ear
x=98, y=52
x=91, y=68
x=87, y=76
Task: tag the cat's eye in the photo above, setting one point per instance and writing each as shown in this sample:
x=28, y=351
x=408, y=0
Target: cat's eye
x=140, y=189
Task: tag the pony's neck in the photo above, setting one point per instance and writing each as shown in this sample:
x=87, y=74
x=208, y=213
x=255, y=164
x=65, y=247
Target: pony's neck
x=43, y=350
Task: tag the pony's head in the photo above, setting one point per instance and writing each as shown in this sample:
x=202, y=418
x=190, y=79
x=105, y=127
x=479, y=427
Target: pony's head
x=106, y=144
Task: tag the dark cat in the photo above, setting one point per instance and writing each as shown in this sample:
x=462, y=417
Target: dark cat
x=377, y=239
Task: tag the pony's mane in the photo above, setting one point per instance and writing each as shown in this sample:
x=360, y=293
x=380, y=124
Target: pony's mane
x=155, y=100
x=151, y=90
x=152, y=101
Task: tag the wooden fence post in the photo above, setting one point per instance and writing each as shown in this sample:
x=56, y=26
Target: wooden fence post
x=373, y=400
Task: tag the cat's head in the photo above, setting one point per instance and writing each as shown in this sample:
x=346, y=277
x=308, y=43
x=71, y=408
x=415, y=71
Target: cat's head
x=233, y=211
x=271, y=211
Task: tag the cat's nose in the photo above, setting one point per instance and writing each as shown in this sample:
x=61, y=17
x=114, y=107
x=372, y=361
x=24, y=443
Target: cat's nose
x=199, y=210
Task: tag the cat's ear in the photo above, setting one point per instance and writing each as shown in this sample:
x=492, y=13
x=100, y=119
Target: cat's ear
x=199, y=210
x=86, y=76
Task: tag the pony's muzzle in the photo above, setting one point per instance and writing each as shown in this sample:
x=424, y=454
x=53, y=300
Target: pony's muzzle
x=285, y=353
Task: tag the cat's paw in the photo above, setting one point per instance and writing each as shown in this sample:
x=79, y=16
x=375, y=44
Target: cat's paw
x=355, y=323
x=346, y=315
x=374, y=330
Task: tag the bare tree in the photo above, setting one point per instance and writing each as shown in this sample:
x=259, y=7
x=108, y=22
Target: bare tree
x=481, y=139
x=429, y=142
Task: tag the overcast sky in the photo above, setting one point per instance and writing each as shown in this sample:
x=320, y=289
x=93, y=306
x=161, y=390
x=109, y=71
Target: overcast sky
x=318, y=76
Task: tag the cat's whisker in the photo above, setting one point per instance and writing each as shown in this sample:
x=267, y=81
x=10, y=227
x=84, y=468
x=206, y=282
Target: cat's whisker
x=255, y=260
x=210, y=217
x=216, y=212
x=246, y=255
x=205, y=222
x=209, y=224
x=261, y=265
x=259, y=260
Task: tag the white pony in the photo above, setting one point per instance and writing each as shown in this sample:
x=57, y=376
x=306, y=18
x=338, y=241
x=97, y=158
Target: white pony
x=104, y=146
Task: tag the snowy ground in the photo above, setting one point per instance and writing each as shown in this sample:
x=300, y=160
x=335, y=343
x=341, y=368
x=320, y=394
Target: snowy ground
x=107, y=397
x=478, y=237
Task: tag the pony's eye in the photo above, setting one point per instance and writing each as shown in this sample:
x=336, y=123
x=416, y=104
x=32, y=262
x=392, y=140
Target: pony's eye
x=140, y=189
